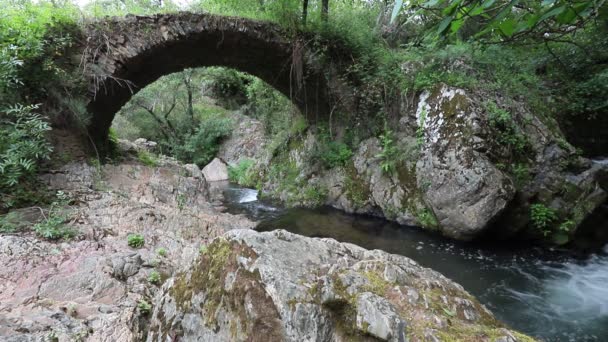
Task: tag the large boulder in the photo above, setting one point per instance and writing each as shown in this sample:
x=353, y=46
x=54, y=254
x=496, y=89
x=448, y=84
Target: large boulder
x=216, y=171
x=465, y=190
x=278, y=286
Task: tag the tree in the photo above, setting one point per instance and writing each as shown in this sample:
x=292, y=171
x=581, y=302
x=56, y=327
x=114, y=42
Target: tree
x=304, y=11
x=511, y=20
x=324, y=10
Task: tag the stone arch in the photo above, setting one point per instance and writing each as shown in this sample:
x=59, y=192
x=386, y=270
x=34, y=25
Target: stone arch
x=123, y=55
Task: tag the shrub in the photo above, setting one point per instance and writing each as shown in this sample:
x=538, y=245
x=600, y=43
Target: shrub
x=135, y=240
x=154, y=278
x=240, y=173
x=200, y=147
x=161, y=252
x=147, y=158
x=10, y=222
x=389, y=153
x=144, y=307
x=23, y=145
x=335, y=154
x=426, y=218
x=53, y=226
x=508, y=132
x=542, y=217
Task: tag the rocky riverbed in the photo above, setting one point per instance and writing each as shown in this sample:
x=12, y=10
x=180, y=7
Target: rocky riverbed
x=203, y=275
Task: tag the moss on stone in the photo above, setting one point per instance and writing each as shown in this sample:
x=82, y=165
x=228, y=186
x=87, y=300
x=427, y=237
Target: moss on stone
x=209, y=278
x=356, y=189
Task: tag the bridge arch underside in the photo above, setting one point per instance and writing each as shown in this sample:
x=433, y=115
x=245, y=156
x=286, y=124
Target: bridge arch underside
x=269, y=59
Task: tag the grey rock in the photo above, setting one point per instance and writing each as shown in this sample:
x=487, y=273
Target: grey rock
x=464, y=188
x=194, y=171
x=287, y=287
x=377, y=317
x=215, y=171
x=89, y=288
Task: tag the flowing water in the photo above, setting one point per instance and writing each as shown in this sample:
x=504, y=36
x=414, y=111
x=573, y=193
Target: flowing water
x=549, y=295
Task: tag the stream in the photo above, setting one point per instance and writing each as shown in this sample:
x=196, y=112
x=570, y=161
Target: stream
x=550, y=295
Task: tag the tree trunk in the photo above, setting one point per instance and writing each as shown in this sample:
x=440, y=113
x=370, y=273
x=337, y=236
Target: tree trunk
x=304, y=12
x=190, y=109
x=324, y=10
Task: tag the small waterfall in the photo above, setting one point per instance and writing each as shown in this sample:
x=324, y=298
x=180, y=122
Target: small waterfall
x=248, y=195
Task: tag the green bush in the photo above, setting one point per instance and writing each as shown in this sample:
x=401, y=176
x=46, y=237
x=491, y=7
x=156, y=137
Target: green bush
x=542, y=217
x=147, y=158
x=23, y=145
x=508, y=133
x=240, y=172
x=334, y=154
x=144, y=307
x=202, y=146
x=10, y=222
x=53, y=228
x=389, y=155
x=273, y=109
x=161, y=252
x=154, y=278
x=135, y=240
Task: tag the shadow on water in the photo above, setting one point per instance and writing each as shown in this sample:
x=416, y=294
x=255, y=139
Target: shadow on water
x=550, y=295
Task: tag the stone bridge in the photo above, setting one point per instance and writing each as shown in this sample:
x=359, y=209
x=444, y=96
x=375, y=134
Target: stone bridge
x=120, y=56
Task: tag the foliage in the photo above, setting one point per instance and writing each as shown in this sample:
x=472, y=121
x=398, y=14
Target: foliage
x=144, y=307
x=389, y=154
x=509, y=20
x=202, y=146
x=266, y=104
x=10, y=222
x=311, y=195
x=32, y=35
x=542, y=217
x=521, y=172
x=154, y=278
x=161, y=252
x=53, y=226
x=508, y=132
x=135, y=240
x=100, y=8
x=240, y=173
x=332, y=153
x=426, y=218
x=23, y=145
x=147, y=158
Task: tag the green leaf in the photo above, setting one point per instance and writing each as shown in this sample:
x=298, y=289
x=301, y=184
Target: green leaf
x=552, y=13
x=532, y=20
x=456, y=24
x=566, y=17
x=488, y=3
x=452, y=7
x=444, y=24
x=507, y=27
x=477, y=10
x=396, y=9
